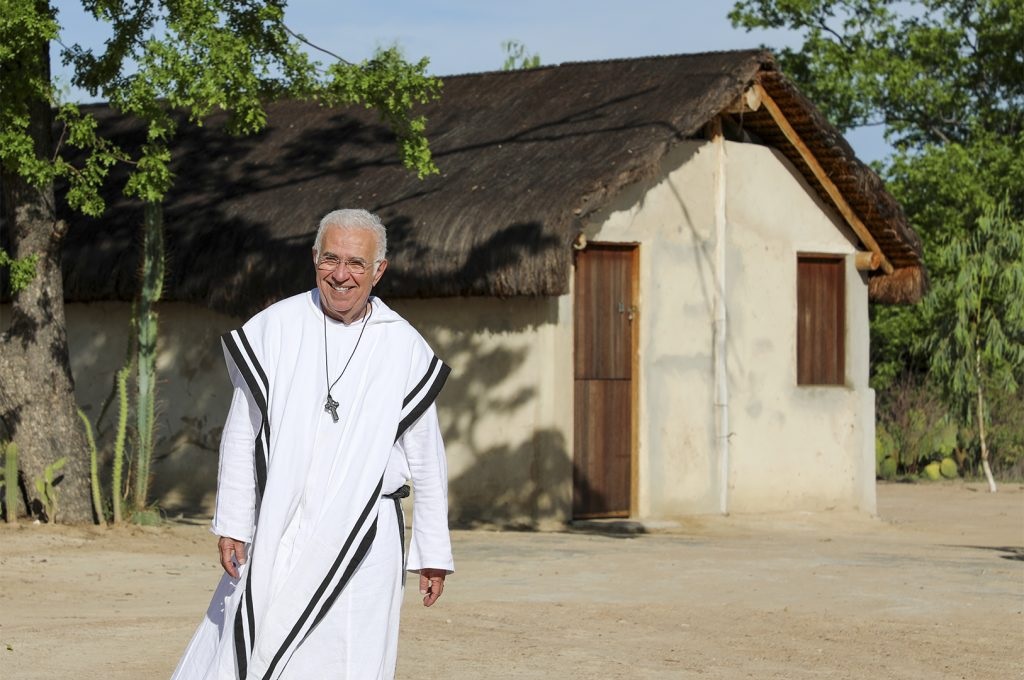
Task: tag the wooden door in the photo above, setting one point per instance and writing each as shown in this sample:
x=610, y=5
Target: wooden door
x=605, y=309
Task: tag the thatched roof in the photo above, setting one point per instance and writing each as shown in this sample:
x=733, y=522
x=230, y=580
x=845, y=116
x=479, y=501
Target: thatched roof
x=525, y=157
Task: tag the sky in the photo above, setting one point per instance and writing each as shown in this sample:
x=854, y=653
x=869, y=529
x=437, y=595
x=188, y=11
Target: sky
x=466, y=36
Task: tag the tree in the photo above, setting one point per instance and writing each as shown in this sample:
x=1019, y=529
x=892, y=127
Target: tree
x=516, y=57
x=194, y=57
x=36, y=389
x=977, y=313
x=943, y=78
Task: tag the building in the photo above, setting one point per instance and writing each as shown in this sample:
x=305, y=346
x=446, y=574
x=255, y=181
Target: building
x=650, y=276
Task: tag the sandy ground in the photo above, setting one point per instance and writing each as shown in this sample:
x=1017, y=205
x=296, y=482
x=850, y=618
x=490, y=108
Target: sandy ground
x=934, y=588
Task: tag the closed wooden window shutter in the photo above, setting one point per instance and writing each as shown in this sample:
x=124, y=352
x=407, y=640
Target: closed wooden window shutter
x=821, y=320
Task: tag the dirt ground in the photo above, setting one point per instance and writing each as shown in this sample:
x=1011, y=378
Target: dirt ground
x=933, y=588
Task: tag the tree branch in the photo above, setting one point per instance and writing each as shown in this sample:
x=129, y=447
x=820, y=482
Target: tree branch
x=60, y=143
x=302, y=39
x=839, y=38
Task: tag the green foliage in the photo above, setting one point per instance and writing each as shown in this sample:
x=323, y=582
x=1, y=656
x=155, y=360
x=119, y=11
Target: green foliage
x=197, y=57
x=9, y=478
x=80, y=131
x=913, y=427
x=933, y=73
x=933, y=471
x=217, y=55
x=25, y=27
x=886, y=468
x=23, y=269
x=1007, y=432
x=392, y=86
x=885, y=444
x=886, y=453
x=516, y=57
x=977, y=315
x=46, y=487
x=977, y=311
x=948, y=468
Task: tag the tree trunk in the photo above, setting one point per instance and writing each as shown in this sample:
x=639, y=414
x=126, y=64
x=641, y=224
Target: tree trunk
x=37, y=400
x=981, y=435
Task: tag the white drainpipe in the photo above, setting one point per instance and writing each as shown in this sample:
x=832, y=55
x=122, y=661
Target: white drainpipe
x=720, y=328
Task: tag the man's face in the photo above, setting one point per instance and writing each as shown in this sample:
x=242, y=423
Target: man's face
x=343, y=294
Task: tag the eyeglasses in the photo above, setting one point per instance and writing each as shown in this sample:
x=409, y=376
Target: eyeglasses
x=354, y=265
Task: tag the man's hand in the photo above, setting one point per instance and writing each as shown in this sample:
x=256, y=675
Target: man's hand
x=229, y=548
x=431, y=585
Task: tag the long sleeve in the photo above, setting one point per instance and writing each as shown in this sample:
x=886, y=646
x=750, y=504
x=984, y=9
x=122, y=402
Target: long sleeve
x=235, y=510
x=424, y=450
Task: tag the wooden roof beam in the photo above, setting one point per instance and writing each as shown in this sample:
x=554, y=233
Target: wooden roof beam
x=867, y=261
x=819, y=173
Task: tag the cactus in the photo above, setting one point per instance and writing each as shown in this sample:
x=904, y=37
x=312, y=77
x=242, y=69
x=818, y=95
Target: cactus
x=47, y=488
x=94, y=472
x=116, y=487
x=10, y=480
x=152, y=289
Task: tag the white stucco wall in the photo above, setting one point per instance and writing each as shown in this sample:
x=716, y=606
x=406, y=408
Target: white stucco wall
x=506, y=411
x=673, y=222
x=790, y=447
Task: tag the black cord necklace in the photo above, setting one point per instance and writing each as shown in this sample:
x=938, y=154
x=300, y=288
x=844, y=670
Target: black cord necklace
x=331, y=406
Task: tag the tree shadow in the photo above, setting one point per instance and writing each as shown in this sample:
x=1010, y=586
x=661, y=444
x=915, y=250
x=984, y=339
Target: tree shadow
x=504, y=470
x=1010, y=552
x=502, y=474
x=514, y=487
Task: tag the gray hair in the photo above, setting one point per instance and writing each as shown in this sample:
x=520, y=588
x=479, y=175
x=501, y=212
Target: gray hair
x=352, y=219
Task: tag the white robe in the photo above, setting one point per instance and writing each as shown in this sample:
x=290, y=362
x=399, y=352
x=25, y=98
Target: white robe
x=321, y=591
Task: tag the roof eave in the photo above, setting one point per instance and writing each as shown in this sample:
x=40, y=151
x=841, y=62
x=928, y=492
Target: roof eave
x=774, y=109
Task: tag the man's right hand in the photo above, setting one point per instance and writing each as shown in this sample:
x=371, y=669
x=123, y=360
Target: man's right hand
x=230, y=548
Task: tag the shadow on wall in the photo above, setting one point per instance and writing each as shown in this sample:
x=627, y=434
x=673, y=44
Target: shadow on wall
x=515, y=487
x=186, y=465
x=503, y=469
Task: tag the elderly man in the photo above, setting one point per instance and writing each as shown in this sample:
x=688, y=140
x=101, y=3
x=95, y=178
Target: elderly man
x=333, y=412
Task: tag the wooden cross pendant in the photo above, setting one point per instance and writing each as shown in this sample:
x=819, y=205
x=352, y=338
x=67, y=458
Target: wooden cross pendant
x=332, y=407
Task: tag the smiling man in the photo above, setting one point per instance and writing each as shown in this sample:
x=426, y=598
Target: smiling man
x=333, y=413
